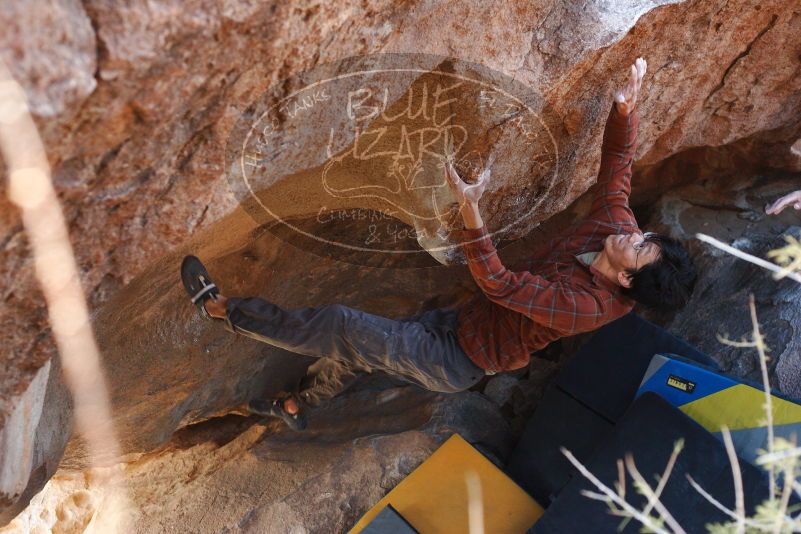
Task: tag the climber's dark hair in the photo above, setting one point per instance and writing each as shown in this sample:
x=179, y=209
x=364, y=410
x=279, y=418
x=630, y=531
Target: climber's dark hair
x=668, y=282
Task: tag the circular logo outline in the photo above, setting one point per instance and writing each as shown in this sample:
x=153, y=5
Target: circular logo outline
x=368, y=71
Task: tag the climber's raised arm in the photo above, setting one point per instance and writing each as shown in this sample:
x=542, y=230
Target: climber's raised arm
x=613, y=186
x=556, y=305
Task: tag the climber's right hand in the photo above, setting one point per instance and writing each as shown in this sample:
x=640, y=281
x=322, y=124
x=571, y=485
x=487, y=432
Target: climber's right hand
x=467, y=194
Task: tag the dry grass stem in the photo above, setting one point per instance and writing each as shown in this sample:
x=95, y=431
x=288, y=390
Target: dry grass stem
x=646, y=521
x=748, y=257
x=737, y=476
x=651, y=495
x=763, y=366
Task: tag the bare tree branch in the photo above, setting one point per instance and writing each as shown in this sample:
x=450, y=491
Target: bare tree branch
x=716, y=503
x=781, y=517
x=636, y=514
x=748, y=257
x=653, y=498
x=665, y=475
x=30, y=188
x=739, y=498
x=763, y=366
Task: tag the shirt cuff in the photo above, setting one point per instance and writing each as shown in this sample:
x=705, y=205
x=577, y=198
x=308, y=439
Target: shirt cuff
x=468, y=234
x=476, y=243
x=617, y=118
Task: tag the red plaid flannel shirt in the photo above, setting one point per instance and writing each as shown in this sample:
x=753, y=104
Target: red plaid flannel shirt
x=556, y=295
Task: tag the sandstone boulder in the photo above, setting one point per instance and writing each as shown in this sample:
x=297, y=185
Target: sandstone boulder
x=234, y=474
x=136, y=106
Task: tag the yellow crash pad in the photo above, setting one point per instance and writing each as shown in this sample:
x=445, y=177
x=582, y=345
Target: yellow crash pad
x=433, y=498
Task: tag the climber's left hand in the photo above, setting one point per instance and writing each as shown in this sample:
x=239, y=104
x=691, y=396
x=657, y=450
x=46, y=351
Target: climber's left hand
x=626, y=99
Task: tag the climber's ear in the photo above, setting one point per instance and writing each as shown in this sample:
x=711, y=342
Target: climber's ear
x=624, y=279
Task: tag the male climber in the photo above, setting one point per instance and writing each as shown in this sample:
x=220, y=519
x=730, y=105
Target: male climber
x=590, y=275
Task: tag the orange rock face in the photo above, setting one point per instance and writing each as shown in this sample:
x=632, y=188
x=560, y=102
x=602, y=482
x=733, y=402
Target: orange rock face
x=137, y=103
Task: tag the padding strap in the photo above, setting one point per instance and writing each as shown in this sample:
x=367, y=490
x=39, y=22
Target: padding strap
x=203, y=292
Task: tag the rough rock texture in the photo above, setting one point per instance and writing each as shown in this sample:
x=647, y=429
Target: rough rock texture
x=136, y=105
x=720, y=303
x=235, y=475
x=18, y=436
x=51, y=49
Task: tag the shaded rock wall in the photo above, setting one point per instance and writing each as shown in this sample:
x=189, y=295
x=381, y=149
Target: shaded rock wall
x=136, y=100
x=719, y=306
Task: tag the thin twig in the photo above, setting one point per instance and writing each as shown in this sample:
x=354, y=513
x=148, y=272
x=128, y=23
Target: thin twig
x=790, y=268
x=797, y=489
x=784, y=257
x=716, y=503
x=759, y=525
x=475, y=503
x=785, y=501
x=665, y=475
x=778, y=456
x=653, y=498
x=739, y=497
x=763, y=366
x=621, y=491
x=30, y=187
x=736, y=344
x=613, y=509
x=747, y=257
x=645, y=520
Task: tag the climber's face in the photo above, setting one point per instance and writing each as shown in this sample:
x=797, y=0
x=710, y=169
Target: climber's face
x=631, y=251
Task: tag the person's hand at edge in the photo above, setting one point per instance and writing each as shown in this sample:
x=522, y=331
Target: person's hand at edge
x=793, y=198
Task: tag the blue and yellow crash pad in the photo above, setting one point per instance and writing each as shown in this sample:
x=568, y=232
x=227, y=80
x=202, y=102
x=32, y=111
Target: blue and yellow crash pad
x=714, y=400
x=433, y=497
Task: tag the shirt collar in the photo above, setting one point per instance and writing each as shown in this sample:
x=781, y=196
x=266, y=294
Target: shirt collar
x=587, y=257
x=598, y=276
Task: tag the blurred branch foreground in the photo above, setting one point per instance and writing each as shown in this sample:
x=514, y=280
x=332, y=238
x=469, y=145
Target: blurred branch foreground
x=31, y=189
